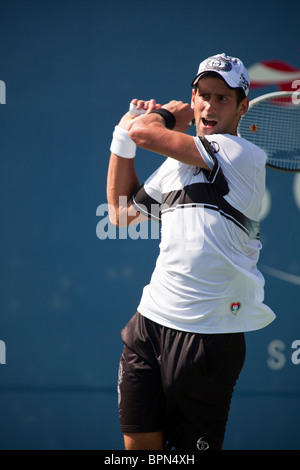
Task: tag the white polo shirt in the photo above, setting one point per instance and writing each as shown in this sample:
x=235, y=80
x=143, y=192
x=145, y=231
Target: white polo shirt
x=206, y=278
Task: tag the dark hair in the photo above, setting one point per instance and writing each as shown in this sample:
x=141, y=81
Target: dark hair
x=240, y=94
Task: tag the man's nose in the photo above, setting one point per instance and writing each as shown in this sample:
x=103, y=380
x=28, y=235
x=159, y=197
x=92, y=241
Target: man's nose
x=210, y=104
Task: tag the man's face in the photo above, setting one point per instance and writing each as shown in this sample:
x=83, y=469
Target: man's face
x=215, y=107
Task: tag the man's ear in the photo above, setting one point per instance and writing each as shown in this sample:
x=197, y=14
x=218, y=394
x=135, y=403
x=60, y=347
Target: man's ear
x=243, y=107
x=193, y=98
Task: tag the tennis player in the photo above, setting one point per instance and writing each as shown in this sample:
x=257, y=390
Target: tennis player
x=185, y=348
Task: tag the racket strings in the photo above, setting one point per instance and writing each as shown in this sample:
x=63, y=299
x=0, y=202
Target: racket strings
x=274, y=125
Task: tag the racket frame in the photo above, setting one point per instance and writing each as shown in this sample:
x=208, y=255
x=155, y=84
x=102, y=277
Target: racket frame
x=266, y=97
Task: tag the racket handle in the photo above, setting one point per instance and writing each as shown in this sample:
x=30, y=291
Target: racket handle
x=133, y=111
x=137, y=112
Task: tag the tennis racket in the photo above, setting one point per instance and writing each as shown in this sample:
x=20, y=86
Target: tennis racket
x=272, y=122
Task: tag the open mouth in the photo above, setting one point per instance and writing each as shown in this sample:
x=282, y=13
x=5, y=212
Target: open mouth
x=209, y=123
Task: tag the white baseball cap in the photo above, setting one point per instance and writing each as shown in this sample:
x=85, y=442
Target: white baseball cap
x=231, y=69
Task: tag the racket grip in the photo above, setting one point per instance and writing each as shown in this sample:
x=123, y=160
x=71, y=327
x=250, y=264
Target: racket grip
x=137, y=112
x=133, y=111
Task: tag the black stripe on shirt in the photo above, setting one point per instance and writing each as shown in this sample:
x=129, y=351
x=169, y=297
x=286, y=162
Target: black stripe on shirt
x=206, y=195
x=250, y=227
x=209, y=196
x=146, y=205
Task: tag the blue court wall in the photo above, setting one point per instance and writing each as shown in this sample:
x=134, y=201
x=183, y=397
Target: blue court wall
x=68, y=69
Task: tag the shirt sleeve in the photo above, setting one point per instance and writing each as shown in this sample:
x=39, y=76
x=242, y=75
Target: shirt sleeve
x=243, y=166
x=204, y=154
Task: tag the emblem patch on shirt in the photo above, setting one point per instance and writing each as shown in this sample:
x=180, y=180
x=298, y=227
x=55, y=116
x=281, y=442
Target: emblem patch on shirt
x=235, y=307
x=215, y=146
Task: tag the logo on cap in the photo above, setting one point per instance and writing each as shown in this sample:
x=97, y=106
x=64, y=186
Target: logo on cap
x=243, y=83
x=220, y=63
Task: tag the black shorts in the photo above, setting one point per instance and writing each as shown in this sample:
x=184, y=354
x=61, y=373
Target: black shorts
x=177, y=382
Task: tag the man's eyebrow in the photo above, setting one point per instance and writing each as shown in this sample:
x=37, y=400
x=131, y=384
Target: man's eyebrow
x=205, y=92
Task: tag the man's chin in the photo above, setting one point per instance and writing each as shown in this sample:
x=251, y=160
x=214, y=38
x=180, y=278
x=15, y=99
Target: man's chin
x=207, y=130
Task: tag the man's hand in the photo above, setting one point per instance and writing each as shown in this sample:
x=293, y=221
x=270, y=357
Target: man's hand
x=183, y=114
x=182, y=111
x=148, y=131
x=127, y=120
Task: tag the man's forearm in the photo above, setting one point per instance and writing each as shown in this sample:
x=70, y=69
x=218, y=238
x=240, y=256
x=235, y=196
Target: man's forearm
x=122, y=180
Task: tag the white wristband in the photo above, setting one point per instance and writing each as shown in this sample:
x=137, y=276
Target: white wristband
x=121, y=144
